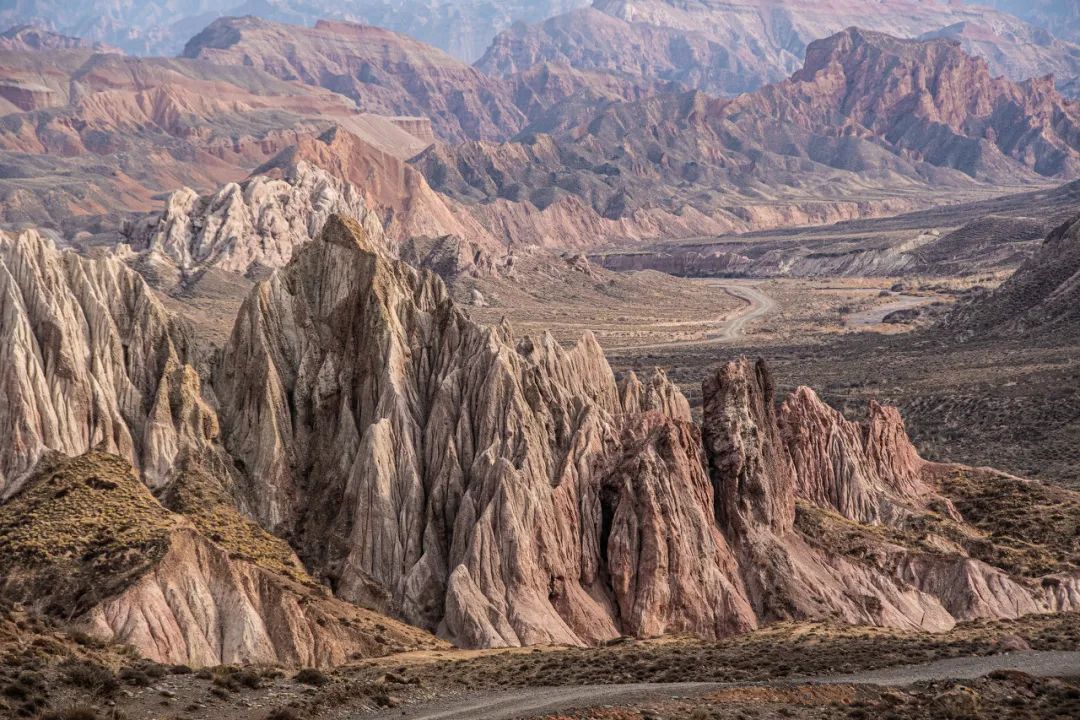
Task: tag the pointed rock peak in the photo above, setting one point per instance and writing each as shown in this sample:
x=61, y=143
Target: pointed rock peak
x=348, y=233
x=331, y=134
x=752, y=474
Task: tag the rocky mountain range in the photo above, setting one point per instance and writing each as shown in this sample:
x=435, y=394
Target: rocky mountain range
x=161, y=27
x=87, y=135
x=724, y=48
x=596, y=156
x=867, y=114
x=383, y=72
x=492, y=489
x=1059, y=17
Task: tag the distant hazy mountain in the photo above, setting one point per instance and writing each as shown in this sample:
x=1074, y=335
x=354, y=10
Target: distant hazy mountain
x=161, y=27
x=1061, y=17
x=724, y=48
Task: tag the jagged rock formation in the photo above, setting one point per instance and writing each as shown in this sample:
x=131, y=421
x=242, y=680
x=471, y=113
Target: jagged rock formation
x=932, y=99
x=392, y=188
x=428, y=446
x=725, y=48
x=830, y=519
x=406, y=449
x=496, y=490
x=250, y=228
x=383, y=72
x=86, y=540
x=91, y=359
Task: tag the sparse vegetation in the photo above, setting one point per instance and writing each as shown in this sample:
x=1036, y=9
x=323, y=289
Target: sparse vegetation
x=311, y=676
x=90, y=675
x=81, y=534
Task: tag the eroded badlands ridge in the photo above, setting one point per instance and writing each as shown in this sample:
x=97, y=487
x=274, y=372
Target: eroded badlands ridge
x=502, y=490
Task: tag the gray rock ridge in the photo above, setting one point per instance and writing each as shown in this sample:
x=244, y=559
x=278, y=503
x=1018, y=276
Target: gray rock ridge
x=249, y=228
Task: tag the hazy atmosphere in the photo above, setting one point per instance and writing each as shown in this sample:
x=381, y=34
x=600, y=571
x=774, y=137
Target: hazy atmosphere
x=539, y=360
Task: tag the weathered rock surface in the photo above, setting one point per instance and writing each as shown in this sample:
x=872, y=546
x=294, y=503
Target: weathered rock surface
x=831, y=519
x=496, y=490
x=428, y=446
x=382, y=71
x=407, y=465
x=90, y=358
x=87, y=538
x=866, y=121
x=89, y=134
x=391, y=187
x=248, y=228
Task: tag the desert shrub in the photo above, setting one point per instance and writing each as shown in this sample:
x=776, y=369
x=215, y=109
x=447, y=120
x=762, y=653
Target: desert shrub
x=135, y=676
x=249, y=679
x=281, y=714
x=311, y=676
x=91, y=676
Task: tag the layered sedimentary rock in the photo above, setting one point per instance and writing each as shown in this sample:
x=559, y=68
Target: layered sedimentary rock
x=866, y=121
x=382, y=71
x=87, y=541
x=831, y=519
x=392, y=188
x=504, y=492
x=90, y=358
x=496, y=490
x=88, y=134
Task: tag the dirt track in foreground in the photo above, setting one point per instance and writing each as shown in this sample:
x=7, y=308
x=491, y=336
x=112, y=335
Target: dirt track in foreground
x=531, y=702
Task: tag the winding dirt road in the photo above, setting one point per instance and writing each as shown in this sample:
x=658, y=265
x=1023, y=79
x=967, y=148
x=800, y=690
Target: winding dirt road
x=532, y=702
x=728, y=327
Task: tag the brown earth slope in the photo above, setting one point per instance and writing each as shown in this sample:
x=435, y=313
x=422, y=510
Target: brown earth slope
x=869, y=126
x=383, y=72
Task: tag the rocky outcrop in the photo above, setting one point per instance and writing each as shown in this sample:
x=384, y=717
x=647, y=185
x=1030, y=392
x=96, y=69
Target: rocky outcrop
x=90, y=358
x=251, y=228
x=504, y=491
x=492, y=489
x=86, y=537
x=831, y=519
x=382, y=71
x=931, y=98
x=391, y=187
